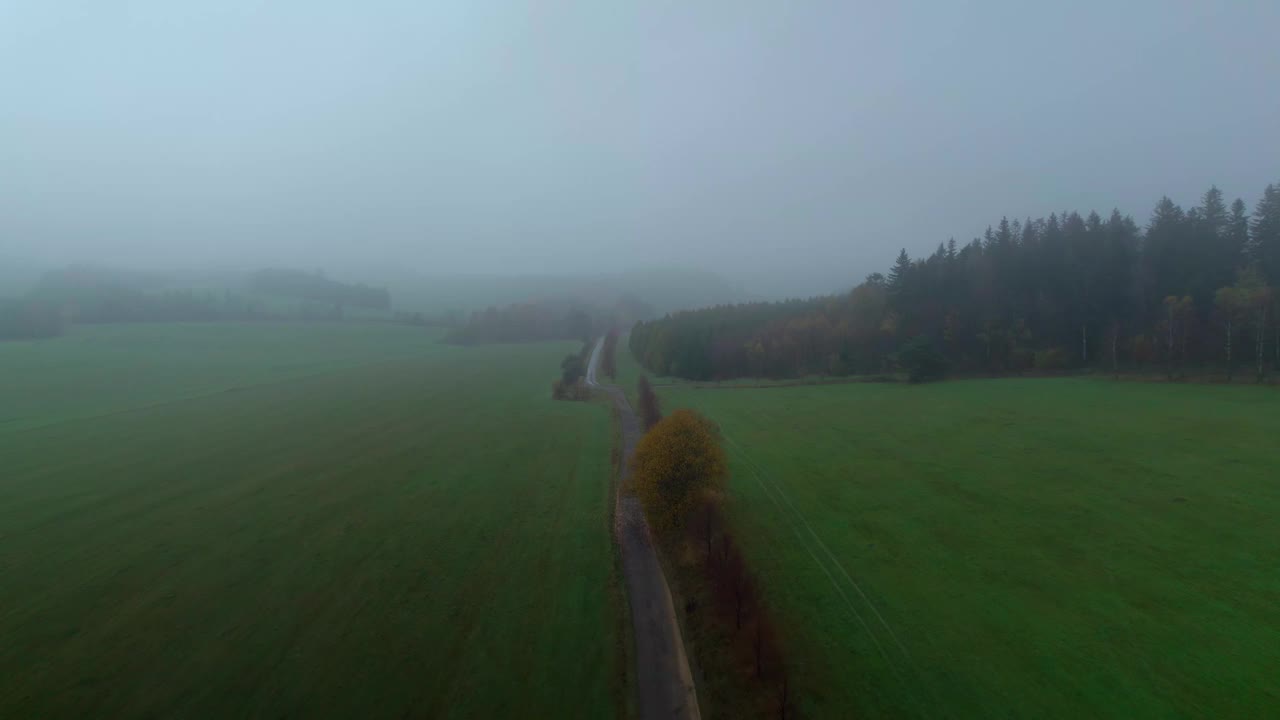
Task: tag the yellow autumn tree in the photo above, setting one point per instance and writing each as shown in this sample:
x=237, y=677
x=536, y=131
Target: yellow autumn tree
x=675, y=464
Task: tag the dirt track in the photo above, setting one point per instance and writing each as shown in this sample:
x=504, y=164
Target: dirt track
x=663, y=680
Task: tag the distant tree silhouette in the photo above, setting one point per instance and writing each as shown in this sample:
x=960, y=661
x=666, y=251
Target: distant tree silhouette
x=316, y=287
x=525, y=322
x=571, y=369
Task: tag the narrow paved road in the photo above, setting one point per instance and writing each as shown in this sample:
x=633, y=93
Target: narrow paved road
x=664, y=682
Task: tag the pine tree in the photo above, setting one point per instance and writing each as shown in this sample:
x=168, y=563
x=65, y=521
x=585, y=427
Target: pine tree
x=1237, y=233
x=1266, y=233
x=901, y=281
x=899, y=272
x=1029, y=234
x=1162, y=251
x=1005, y=235
x=1213, y=211
x=1214, y=262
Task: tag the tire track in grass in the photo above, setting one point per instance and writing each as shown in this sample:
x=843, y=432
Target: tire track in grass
x=770, y=492
x=772, y=488
x=835, y=561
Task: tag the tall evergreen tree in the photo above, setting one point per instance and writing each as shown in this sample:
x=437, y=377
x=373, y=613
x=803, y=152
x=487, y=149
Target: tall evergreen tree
x=1163, y=275
x=1213, y=258
x=1029, y=233
x=1237, y=233
x=1004, y=236
x=902, y=283
x=1266, y=233
x=899, y=272
x=1213, y=211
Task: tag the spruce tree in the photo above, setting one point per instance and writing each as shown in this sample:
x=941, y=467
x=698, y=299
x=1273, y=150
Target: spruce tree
x=898, y=273
x=1266, y=233
x=1213, y=211
x=1237, y=233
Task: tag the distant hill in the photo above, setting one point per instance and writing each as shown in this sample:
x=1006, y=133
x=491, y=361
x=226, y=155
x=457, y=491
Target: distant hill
x=17, y=276
x=665, y=290
x=637, y=294
x=317, y=288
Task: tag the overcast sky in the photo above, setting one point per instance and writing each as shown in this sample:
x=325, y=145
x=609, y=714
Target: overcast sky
x=807, y=141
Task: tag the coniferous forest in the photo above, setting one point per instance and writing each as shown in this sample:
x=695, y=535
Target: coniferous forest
x=1190, y=292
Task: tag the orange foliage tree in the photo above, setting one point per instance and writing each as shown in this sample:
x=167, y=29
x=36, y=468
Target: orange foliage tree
x=675, y=465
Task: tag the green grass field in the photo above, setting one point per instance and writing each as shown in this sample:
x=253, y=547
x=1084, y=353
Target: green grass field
x=96, y=370
x=1014, y=548
x=301, y=520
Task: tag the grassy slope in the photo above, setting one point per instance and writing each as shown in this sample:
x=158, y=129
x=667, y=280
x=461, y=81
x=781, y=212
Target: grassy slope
x=1057, y=548
x=422, y=535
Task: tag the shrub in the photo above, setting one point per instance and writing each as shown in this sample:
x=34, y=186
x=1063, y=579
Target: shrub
x=571, y=368
x=569, y=391
x=1052, y=359
x=922, y=361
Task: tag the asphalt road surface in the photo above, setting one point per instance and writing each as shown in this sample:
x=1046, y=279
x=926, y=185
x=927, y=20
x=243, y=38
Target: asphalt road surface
x=663, y=680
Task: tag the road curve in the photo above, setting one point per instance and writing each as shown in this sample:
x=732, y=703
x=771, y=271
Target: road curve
x=663, y=680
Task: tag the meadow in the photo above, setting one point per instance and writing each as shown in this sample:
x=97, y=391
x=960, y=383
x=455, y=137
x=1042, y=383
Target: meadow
x=98, y=369
x=1055, y=548
x=309, y=520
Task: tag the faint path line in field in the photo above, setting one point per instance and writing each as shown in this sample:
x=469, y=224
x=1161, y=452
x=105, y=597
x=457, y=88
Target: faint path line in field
x=800, y=515
x=835, y=583
x=205, y=394
x=823, y=566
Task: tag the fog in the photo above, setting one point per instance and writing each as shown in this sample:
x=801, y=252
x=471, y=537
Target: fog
x=792, y=146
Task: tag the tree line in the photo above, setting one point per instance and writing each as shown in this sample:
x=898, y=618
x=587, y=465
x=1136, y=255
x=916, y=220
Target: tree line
x=525, y=322
x=87, y=295
x=678, y=473
x=679, y=469
x=319, y=289
x=551, y=318
x=47, y=311
x=1189, y=292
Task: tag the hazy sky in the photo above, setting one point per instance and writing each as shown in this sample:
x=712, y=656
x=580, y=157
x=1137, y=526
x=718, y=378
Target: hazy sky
x=803, y=140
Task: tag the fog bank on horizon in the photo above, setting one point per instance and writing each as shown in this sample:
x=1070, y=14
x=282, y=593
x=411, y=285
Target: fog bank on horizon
x=794, y=147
